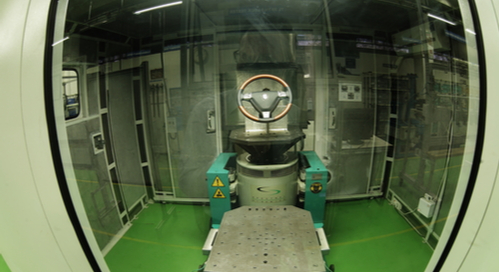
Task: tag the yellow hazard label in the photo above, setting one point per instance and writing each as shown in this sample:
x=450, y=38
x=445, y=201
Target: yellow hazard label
x=316, y=187
x=217, y=182
x=219, y=194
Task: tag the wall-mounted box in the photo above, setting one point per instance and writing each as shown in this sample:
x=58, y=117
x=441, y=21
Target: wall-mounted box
x=426, y=207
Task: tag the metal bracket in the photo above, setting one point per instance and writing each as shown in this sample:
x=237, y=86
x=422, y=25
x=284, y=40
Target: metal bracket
x=98, y=142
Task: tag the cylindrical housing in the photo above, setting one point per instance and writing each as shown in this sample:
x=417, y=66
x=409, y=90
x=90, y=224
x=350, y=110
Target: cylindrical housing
x=265, y=185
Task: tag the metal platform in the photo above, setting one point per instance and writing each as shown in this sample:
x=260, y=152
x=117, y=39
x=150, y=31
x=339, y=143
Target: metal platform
x=277, y=238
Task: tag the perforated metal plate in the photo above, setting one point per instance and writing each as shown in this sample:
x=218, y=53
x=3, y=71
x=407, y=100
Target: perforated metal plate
x=278, y=238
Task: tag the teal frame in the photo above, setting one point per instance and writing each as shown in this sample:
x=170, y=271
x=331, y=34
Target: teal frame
x=314, y=201
x=220, y=201
x=314, y=198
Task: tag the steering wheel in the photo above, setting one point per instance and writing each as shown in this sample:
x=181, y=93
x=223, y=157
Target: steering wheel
x=265, y=101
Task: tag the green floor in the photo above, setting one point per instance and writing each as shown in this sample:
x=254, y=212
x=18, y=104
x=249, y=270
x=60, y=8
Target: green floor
x=165, y=237
x=364, y=235
x=3, y=265
x=369, y=235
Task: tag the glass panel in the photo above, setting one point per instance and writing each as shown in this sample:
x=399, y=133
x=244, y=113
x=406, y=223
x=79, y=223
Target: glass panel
x=193, y=145
x=93, y=90
x=94, y=182
x=71, y=94
x=124, y=137
x=361, y=113
x=157, y=110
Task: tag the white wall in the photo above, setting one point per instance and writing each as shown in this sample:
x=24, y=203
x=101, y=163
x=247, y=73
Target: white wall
x=483, y=252
x=35, y=231
x=476, y=246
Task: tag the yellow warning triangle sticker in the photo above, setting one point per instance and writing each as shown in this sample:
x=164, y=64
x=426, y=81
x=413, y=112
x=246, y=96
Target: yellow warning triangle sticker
x=217, y=182
x=219, y=194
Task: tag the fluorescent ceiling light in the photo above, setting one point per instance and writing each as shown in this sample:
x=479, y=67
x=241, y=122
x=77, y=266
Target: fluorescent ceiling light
x=470, y=31
x=440, y=19
x=60, y=41
x=158, y=7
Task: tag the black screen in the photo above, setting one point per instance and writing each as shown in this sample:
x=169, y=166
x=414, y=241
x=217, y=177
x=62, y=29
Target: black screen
x=357, y=124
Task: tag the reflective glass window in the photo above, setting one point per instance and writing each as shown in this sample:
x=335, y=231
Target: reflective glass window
x=190, y=104
x=71, y=94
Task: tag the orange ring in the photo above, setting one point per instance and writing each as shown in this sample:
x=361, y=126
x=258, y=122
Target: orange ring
x=248, y=81
x=244, y=85
x=247, y=114
x=285, y=111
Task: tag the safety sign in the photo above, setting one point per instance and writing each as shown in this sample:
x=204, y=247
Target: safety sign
x=316, y=187
x=217, y=182
x=219, y=194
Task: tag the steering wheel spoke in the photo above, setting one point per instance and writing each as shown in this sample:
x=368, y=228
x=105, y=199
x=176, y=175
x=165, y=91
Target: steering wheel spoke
x=246, y=97
x=266, y=114
x=282, y=95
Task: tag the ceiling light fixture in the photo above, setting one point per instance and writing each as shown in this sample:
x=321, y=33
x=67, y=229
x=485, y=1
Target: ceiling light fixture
x=60, y=41
x=158, y=7
x=440, y=19
x=470, y=31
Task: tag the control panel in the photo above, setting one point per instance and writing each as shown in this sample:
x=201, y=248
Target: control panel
x=350, y=92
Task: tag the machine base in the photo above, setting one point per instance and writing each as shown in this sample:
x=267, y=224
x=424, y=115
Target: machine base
x=274, y=238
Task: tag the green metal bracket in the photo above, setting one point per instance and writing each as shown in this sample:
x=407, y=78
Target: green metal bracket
x=315, y=195
x=218, y=188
